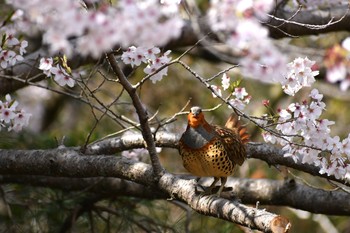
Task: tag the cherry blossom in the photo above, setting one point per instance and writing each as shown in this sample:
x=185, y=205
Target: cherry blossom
x=11, y=49
x=239, y=22
x=346, y=146
x=241, y=98
x=62, y=77
x=59, y=73
x=301, y=124
x=216, y=91
x=268, y=137
x=316, y=95
x=11, y=117
x=135, y=56
x=170, y=1
x=240, y=93
x=346, y=44
x=299, y=74
x=225, y=81
x=45, y=63
x=23, y=46
x=237, y=103
x=144, y=23
x=7, y=114
x=337, y=62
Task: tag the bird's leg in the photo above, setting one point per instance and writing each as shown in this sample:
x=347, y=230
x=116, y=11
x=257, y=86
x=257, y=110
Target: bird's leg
x=223, y=182
x=197, y=180
x=210, y=188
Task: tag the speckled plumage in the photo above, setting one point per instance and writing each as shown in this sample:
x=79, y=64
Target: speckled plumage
x=212, y=151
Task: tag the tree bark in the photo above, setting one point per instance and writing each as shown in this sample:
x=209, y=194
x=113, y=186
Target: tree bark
x=70, y=163
x=265, y=152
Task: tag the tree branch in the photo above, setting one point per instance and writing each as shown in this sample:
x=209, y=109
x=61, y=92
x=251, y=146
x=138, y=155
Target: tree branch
x=248, y=191
x=218, y=207
x=69, y=163
x=142, y=114
x=308, y=22
x=107, y=186
x=262, y=151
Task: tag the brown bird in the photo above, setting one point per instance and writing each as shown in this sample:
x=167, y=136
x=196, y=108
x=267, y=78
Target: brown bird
x=211, y=150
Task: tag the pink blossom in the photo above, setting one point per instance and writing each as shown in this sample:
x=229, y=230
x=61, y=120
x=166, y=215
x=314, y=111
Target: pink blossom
x=216, y=91
x=316, y=95
x=284, y=115
x=22, y=49
x=7, y=115
x=336, y=73
x=45, y=63
x=346, y=44
x=345, y=84
x=11, y=40
x=333, y=143
x=314, y=110
x=155, y=64
x=240, y=92
x=225, y=81
x=157, y=76
x=61, y=76
x=11, y=117
x=346, y=146
x=151, y=53
x=310, y=156
x=336, y=170
x=290, y=152
x=237, y=103
x=268, y=137
x=299, y=75
x=144, y=23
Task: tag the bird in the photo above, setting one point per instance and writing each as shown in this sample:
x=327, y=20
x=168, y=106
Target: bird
x=211, y=150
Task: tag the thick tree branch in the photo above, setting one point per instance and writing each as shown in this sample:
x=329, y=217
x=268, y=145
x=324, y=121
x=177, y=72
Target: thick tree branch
x=218, y=207
x=107, y=186
x=308, y=22
x=249, y=191
x=262, y=151
x=69, y=163
x=289, y=193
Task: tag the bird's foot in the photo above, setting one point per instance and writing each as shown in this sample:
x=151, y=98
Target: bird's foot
x=205, y=191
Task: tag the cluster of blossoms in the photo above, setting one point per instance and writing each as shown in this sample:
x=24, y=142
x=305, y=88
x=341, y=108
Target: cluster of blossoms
x=240, y=95
x=60, y=74
x=337, y=61
x=305, y=135
x=11, y=117
x=151, y=56
x=11, y=49
x=239, y=22
x=130, y=22
x=299, y=74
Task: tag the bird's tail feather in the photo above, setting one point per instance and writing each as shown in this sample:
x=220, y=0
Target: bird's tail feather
x=233, y=124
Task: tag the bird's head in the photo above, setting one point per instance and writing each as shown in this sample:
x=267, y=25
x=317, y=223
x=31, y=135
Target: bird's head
x=196, y=117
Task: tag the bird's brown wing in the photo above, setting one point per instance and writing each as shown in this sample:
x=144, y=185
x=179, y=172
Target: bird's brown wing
x=233, y=124
x=233, y=144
